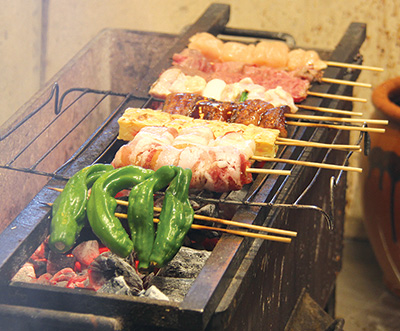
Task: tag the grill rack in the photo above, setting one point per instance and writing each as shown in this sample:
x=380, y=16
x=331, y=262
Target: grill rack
x=127, y=97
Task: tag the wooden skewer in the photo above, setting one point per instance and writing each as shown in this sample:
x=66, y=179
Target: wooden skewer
x=330, y=110
x=352, y=66
x=268, y=171
x=337, y=119
x=309, y=164
x=214, y=219
x=294, y=142
x=235, y=232
x=335, y=96
x=338, y=127
x=344, y=82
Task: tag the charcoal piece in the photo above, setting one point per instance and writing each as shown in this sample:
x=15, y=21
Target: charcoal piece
x=108, y=266
x=186, y=264
x=86, y=251
x=154, y=293
x=56, y=262
x=118, y=285
x=26, y=274
x=174, y=288
x=40, y=266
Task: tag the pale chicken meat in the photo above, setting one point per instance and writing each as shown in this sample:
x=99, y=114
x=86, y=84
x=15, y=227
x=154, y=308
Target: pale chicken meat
x=219, y=165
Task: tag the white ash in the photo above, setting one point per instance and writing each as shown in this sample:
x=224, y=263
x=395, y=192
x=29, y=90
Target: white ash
x=186, y=264
x=154, y=293
x=118, y=285
x=174, y=288
x=26, y=274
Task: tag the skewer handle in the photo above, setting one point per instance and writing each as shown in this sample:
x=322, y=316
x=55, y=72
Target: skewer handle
x=334, y=96
x=352, y=66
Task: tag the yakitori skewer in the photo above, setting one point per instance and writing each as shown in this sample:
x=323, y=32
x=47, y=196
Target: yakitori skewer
x=344, y=82
x=235, y=232
x=330, y=110
x=337, y=119
x=336, y=96
x=308, y=164
x=214, y=219
x=269, y=171
x=352, y=66
x=338, y=127
x=304, y=143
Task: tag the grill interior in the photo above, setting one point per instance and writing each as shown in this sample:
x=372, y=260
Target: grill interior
x=66, y=127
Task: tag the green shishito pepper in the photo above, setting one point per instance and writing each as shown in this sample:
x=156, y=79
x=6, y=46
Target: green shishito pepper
x=176, y=218
x=140, y=212
x=69, y=208
x=102, y=204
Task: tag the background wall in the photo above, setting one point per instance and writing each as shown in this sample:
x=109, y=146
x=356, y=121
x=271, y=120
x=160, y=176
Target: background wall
x=38, y=37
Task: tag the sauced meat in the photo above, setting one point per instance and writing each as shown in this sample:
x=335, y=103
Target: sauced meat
x=256, y=112
x=181, y=103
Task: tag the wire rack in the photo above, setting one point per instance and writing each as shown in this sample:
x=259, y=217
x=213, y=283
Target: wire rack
x=74, y=95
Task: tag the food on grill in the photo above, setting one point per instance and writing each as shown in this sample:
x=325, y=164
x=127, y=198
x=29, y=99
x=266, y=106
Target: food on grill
x=255, y=112
x=176, y=219
x=174, y=80
x=217, y=166
x=102, y=204
x=69, y=209
x=140, y=214
x=219, y=90
x=134, y=119
x=179, y=75
x=275, y=54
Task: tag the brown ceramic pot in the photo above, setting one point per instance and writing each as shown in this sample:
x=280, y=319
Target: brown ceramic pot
x=382, y=185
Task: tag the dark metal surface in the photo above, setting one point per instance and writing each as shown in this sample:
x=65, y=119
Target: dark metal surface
x=245, y=284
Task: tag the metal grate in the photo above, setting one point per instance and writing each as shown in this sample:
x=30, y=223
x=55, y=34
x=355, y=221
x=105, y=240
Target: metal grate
x=125, y=98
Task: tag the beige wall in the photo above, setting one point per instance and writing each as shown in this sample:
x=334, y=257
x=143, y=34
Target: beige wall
x=72, y=23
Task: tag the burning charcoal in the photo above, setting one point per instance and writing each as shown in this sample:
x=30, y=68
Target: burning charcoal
x=80, y=281
x=186, y=264
x=44, y=279
x=118, y=285
x=174, y=288
x=154, y=293
x=62, y=277
x=40, y=266
x=86, y=252
x=26, y=274
x=57, y=262
x=108, y=266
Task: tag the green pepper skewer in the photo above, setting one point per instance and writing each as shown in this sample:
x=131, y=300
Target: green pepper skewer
x=140, y=212
x=102, y=204
x=176, y=218
x=69, y=208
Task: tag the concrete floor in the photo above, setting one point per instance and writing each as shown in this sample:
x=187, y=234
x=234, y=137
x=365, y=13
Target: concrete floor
x=361, y=298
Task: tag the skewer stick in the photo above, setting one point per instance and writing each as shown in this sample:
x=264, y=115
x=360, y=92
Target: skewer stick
x=352, y=66
x=303, y=143
x=235, y=232
x=308, y=164
x=335, y=96
x=268, y=171
x=214, y=219
x=338, y=127
x=330, y=110
x=344, y=82
x=337, y=119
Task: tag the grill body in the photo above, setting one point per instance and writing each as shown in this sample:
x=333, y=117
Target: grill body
x=245, y=284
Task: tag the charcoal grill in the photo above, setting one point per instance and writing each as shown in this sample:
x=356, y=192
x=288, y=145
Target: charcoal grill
x=246, y=283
